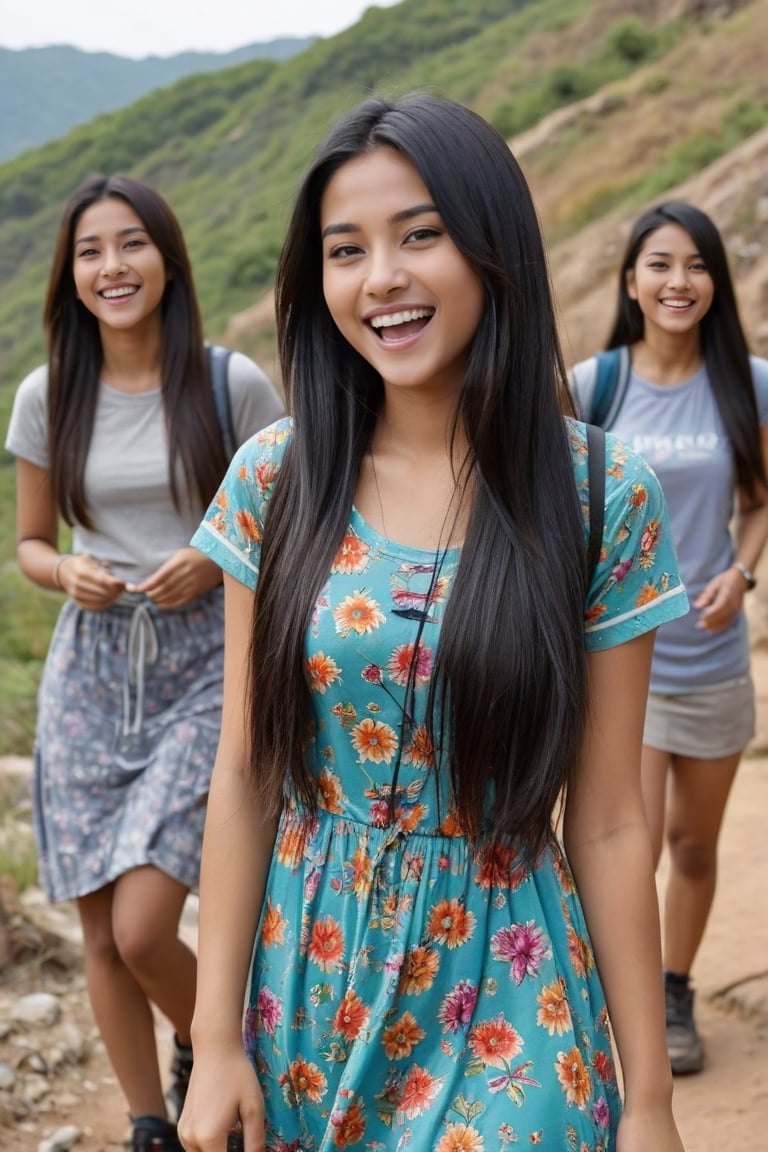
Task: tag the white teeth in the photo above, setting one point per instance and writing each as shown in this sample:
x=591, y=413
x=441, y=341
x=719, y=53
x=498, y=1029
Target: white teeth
x=676, y=303
x=393, y=318
x=112, y=293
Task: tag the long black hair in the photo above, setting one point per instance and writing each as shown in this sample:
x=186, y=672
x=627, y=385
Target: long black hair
x=75, y=356
x=723, y=343
x=510, y=665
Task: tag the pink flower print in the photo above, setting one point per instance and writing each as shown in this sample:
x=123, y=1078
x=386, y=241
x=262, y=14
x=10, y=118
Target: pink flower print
x=270, y=1010
x=523, y=947
x=457, y=1007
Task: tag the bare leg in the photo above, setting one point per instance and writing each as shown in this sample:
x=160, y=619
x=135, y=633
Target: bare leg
x=147, y=909
x=121, y=1009
x=697, y=803
x=654, y=768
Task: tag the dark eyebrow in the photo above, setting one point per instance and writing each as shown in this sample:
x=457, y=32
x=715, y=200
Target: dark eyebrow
x=123, y=232
x=398, y=218
x=667, y=255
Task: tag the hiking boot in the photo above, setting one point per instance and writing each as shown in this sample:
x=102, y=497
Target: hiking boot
x=181, y=1070
x=686, y=1051
x=151, y=1134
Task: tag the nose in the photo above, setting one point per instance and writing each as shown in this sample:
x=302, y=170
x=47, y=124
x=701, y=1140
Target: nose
x=678, y=276
x=113, y=262
x=384, y=272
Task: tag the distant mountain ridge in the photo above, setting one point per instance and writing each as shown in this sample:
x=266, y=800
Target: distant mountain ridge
x=44, y=92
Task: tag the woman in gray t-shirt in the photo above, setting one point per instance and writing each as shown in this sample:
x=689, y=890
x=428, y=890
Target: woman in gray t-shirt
x=118, y=435
x=678, y=384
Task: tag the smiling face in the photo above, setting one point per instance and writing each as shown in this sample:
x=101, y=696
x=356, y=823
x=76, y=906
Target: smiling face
x=670, y=281
x=118, y=270
x=395, y=283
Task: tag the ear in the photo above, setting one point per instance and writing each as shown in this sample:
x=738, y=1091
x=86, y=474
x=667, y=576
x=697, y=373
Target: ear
x=631, y=283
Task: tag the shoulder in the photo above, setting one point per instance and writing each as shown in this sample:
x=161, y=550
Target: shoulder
x=759, y=368
x=259, y=459
x=628, y=476
x=35, y=385
x=244, y=373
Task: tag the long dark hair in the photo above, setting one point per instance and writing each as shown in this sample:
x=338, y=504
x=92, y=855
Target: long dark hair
x=510, y=662
x=723, y=343
x=75, y=356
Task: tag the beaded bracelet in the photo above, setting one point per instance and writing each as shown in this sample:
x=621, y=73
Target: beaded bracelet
x=56, y=565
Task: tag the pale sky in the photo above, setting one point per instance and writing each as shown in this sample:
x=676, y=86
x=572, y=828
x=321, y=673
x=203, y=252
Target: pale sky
x=165, y=27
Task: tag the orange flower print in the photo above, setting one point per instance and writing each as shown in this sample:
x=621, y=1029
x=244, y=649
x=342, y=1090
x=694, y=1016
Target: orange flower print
x=603, y=1066
x=419, y=970
x=451, y=923
x=409, y=816
x=580, y=953
x=460, y=1138
x=329, y=791
x=418, y=1093
x=400, y=1038
x=647, y=593
x=352, y=556
x=290, y=846
x=248, y=524
x=357, y=613
x=420, y=751
x=399, y=664
x=273, y=926
x=554, y=1013
x=574, y=1077
x=326, y=945
x=593, y=614
x=374, y=740
x=358, y=875
x=349, y=1126
x=303, y=1081
x=265, y=474
x=495, y=1042
x=352, y=1016
x=321, y=671
x=638, y=496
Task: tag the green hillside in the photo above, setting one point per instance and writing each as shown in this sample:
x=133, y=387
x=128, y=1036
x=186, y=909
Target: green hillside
x=609, y=102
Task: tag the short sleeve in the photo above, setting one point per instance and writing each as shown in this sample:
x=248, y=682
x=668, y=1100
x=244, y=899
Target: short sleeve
x=636, y=585
x=232, y=528
x=27, y=434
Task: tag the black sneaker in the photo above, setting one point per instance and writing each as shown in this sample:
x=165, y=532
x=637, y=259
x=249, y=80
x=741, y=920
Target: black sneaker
x=181, y=1070
x=686, y=1051
x=151, y=1134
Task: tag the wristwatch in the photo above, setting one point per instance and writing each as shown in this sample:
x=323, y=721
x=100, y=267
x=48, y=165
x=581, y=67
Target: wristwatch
x=748, y=576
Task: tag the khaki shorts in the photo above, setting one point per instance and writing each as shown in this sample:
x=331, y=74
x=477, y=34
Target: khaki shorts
x=707, y=725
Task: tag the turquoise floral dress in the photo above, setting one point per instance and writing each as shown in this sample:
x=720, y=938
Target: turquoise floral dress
x=411, y=989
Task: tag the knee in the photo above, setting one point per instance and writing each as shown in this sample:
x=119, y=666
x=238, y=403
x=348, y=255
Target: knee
x=693, y=859
x=136, y=944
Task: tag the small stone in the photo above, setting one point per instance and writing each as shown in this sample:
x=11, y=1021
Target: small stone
x=37, y=1008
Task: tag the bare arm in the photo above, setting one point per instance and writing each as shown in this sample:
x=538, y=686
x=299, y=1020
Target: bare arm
x=722, y=598
x=237, y=849
x=37, y=545
x=608, y=847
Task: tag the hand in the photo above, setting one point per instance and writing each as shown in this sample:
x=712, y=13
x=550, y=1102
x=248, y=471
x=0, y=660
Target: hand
x=221, y=1090
x=720, y=600
x=89, y=583
x=184, y=575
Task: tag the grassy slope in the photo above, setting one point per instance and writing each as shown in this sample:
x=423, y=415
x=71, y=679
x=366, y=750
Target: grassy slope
x=617, y=99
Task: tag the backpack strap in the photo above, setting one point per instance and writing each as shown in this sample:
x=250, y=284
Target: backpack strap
x=596, y=479
x=613, y=369
x=218, y=368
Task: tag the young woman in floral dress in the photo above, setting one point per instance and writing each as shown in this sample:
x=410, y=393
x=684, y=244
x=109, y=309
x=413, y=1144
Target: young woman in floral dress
x=417, y=668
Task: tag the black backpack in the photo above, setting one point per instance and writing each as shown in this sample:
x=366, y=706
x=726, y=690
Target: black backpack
x=218, y=368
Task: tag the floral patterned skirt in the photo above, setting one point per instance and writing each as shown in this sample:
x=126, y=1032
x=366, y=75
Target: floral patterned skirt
x=129, y=712
x=416, y=991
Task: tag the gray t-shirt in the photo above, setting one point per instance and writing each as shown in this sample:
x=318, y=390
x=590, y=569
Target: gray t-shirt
x=678, y=429
x=136, y=526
